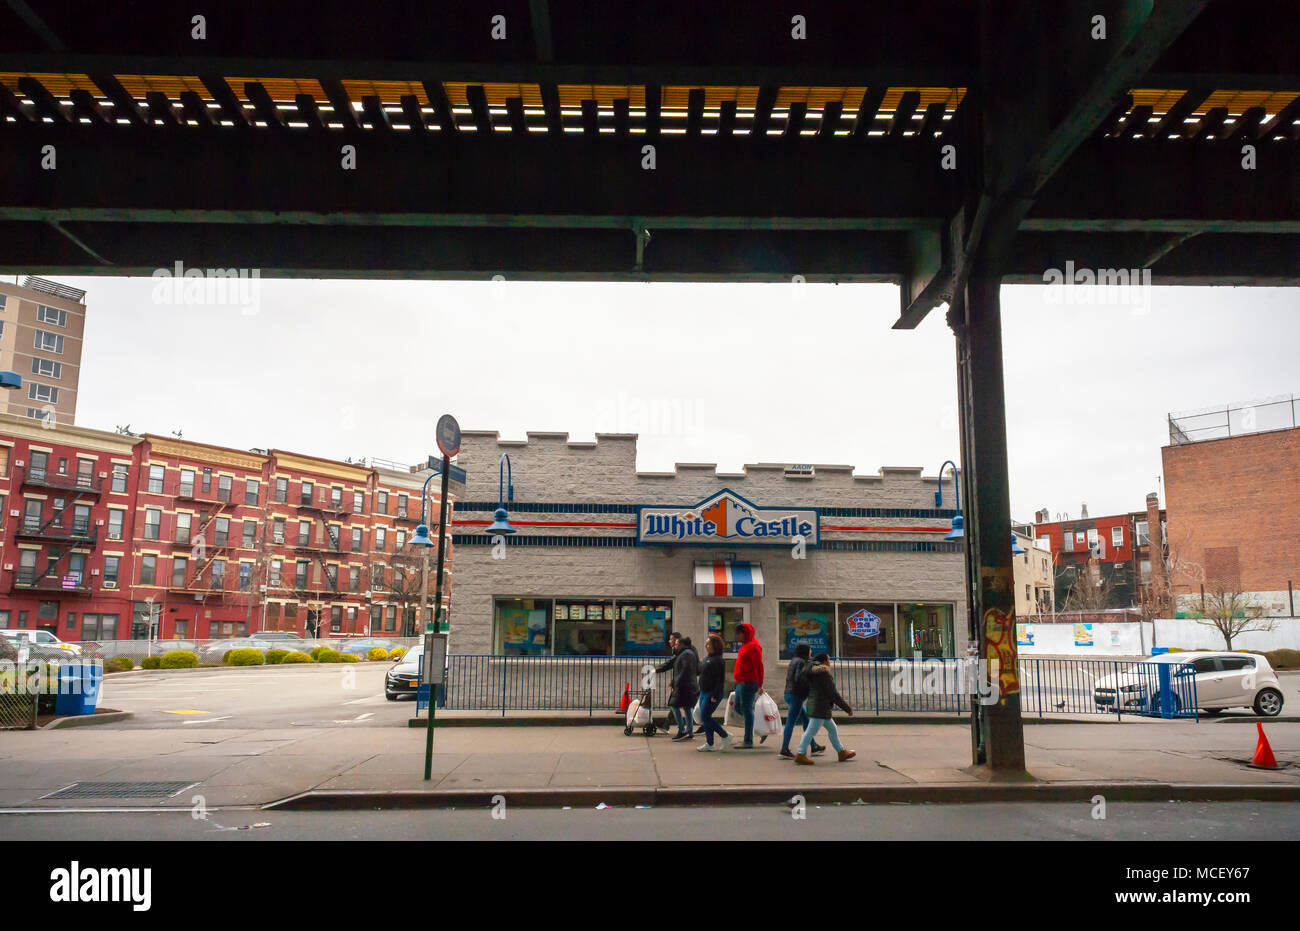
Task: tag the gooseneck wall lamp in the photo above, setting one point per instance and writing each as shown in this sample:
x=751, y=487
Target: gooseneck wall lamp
x=958, y=530
x=505, y=492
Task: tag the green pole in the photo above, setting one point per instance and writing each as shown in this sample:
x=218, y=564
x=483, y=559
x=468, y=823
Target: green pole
x=437, y=616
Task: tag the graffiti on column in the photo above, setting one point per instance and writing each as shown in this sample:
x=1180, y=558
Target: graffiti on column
x=999, y=630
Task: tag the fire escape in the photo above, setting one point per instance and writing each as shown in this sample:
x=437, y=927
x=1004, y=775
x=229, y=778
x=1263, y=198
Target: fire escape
x=211, y=503
x=62, y=532
x=323, y=507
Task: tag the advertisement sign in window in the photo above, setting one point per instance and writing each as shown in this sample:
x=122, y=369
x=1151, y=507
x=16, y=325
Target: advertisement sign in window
x=645, y=632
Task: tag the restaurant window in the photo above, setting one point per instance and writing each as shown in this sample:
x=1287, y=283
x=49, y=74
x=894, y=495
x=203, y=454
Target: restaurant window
x=642, y=627
x=804, y=622
x=522, y=626
x=855, y=623
x=148, y=568
x=927, y=629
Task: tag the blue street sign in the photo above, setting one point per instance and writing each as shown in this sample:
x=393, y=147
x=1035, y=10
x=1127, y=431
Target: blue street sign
x=448, y=435
x=456, y=473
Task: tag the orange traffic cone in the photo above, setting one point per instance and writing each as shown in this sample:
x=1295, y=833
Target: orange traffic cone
x=627, y=698
x=1263, y=752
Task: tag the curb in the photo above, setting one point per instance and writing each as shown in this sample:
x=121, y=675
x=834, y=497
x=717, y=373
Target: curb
x=686, y=796
x=88, y=720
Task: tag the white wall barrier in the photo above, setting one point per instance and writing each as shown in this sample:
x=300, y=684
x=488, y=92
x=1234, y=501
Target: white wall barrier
x=1119, y=639
x=1190, y=634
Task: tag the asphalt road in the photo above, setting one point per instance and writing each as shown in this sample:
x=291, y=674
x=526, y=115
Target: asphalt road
x=1133, y=821
x=266, y=696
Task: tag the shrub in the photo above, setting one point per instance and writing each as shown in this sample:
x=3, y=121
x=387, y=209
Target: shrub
x=377, y=654
x=296, y=657
x=276, y=656
x=349, y=658
x=315, y=653
x=397, y=652
x=246, y=656
x=151, y=662
x=179, y=659
x=1283, y=659
x=326, y=655
x=225, y=657
x=119, y=664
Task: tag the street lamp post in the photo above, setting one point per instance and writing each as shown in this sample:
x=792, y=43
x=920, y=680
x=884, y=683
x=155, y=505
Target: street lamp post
x=505, y=492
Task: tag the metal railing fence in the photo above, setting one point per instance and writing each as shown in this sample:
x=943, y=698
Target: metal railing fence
x=595, y=684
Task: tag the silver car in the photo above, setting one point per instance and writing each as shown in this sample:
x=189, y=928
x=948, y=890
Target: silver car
x=1222, y=680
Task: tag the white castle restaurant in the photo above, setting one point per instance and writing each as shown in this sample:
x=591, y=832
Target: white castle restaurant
x=606, y=560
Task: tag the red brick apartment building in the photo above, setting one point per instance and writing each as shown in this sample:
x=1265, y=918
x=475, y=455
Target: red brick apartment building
x=1231, y=481
x=1119, y=542
x=106, y=535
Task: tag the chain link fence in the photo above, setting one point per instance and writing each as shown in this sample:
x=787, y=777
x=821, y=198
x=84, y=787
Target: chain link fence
x=210, y=652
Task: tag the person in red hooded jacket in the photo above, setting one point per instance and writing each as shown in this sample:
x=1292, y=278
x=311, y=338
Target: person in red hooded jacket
x=749, y=679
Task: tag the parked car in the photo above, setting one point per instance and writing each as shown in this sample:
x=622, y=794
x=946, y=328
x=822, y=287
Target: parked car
x=1222, y=680
x=215, y=649
x=363, y=646
x=404, y=675
x=284, y=639
x=41, y=638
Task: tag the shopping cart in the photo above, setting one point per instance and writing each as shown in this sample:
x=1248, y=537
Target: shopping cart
x=640, y=714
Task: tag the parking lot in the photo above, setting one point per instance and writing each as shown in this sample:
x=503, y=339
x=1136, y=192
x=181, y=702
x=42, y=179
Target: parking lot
x=350, y=694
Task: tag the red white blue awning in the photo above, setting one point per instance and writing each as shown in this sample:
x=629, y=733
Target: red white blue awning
x=728, y=580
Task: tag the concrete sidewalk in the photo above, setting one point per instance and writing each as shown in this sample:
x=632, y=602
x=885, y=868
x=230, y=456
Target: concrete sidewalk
x=383, y=766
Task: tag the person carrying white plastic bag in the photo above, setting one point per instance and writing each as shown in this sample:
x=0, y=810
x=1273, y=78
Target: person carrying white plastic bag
x=767, y=717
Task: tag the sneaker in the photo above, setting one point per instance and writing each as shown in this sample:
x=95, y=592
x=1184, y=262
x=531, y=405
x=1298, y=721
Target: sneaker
x=803, y=760
x=762, y=739
x=847, y=755
x=705, y=748
x=787, y=754
x=682, y=736
x=726, y=743
x=817, y=748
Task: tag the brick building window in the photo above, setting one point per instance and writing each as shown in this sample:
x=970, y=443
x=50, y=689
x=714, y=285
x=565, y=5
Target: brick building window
x=148, y=568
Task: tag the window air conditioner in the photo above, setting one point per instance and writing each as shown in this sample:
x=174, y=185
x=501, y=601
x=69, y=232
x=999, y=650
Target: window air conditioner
x=110, y=585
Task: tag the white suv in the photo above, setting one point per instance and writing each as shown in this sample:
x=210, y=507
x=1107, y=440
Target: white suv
x=42, y=638
x=1223, y=680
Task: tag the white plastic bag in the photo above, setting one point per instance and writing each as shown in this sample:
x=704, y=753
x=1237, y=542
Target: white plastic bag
x=636, y=715
x=767, y=716
x=733, y=717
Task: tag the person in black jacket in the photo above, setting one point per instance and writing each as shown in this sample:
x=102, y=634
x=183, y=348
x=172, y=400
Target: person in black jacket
x=822, y=699
x=796, y=691
x=686, y=688
x=674, y=644
x=713, y=680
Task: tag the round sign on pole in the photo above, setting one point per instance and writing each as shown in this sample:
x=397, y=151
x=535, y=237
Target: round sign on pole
x=448, y=435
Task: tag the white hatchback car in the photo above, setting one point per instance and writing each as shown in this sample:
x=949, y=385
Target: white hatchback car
x=1223, y=680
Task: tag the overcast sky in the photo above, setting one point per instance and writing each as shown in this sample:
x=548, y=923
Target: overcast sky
x=729, y=374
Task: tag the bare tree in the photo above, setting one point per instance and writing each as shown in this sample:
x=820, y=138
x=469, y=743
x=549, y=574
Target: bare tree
x=1231, y=611
x=1090, y=589
x=404, y=578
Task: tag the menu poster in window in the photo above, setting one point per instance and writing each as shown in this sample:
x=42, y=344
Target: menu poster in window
x=537, y=629
x=561, y=612
x=715, y=622
x=808, y=628
x=594, y=613
x=646, y=632
x=609, y=612
x=514, y=629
